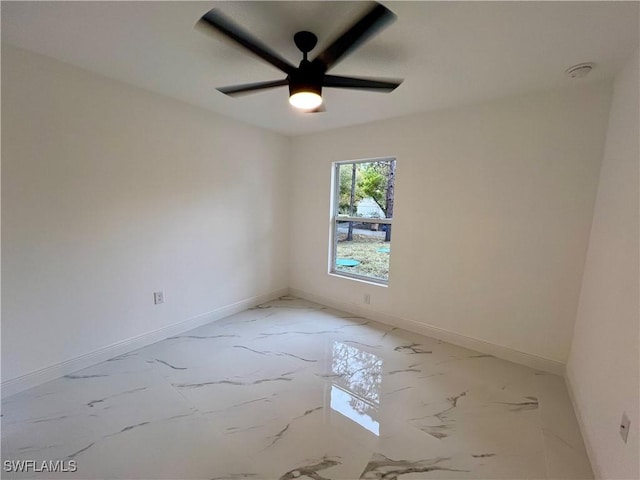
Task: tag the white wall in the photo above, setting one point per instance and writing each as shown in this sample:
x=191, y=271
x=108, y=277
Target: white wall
x=603, y=369
x=492, y=216
x=109, y=193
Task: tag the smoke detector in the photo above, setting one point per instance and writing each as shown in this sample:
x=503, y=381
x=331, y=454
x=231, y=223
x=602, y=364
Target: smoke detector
x=580, y=70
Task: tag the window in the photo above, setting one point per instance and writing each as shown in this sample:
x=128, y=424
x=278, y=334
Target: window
x=362, y=209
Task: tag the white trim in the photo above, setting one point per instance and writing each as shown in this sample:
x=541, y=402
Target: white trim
x=530, y=360
x=388, y=158
x=346, y=218
x=583, y=431
x=38, y=377
x=357, y=278
x=333, y=201
x=360, y=278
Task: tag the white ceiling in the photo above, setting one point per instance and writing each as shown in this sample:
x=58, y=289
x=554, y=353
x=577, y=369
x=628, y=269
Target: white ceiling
x=449, y=53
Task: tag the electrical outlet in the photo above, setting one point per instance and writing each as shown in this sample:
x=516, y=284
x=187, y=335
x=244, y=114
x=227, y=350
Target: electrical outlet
x=625, y=423
x=158, y=297
x=367, y=299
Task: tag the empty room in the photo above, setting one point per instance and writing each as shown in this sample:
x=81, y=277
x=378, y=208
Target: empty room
x=320, y=240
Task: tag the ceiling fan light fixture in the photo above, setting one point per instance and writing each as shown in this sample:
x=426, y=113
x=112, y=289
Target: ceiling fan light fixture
x=307, y=79
x=305, y=100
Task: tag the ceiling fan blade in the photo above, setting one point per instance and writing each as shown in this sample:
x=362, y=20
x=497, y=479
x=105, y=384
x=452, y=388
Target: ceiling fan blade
x=214, y=19
x=376, y=18
x=362, y=83
x=237, y=90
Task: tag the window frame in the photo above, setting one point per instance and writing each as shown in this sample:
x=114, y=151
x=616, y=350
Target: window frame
x=336, y=217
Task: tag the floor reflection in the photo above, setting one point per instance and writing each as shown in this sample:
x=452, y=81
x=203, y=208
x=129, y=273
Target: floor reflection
x=355, y=393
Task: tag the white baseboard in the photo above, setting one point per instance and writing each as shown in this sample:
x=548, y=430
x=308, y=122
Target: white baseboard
x=32, y=379
x=57, y=370
x=506, y=353
x=583, y=431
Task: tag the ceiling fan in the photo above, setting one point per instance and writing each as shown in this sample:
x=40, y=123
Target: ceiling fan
x=305, y=81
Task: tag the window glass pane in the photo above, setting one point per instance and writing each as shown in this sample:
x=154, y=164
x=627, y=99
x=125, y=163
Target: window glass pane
x=363, y=249
x=366, y=189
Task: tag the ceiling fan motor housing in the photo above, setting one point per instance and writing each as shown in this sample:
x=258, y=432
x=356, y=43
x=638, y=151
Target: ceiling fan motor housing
x=307, y=78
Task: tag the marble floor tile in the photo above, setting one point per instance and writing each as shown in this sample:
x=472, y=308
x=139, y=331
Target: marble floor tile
x=292, y=389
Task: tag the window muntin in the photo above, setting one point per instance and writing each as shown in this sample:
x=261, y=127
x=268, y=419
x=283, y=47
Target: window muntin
x=363, y=201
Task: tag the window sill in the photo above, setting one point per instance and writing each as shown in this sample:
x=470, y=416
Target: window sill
x=368, y=281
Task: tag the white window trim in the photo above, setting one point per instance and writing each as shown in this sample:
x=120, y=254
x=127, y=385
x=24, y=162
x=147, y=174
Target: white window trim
x=336, y=217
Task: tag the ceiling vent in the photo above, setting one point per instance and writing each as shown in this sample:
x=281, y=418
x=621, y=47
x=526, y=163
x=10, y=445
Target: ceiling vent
x=580, y=70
